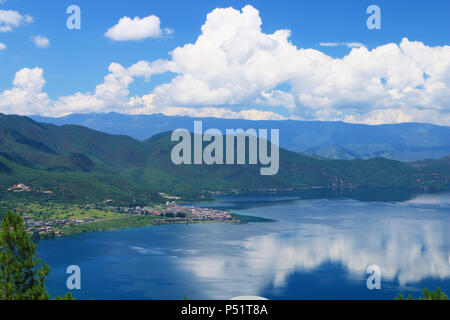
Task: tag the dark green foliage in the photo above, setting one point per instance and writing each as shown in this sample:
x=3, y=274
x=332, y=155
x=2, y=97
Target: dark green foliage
x=33, y=144
x=22, y=276
x=401, y=297
x=73, y=162
x=68, y=297
x=427, y=295
x=433, y=295
x=4, y=168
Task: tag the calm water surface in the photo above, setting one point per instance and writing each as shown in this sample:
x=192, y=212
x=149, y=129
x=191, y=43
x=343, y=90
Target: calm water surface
x=313, y=249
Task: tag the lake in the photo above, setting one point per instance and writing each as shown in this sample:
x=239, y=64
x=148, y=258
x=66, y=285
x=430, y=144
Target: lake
x=312, y=249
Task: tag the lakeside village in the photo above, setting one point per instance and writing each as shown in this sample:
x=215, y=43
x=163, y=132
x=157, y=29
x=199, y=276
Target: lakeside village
x=171, y=212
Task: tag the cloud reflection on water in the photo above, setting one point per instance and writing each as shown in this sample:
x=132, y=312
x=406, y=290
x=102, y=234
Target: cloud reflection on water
x=408, y=246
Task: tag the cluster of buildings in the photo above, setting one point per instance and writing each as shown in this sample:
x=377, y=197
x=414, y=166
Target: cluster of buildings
x=142, y=211
x=176, y=212
x=170, y=212
x=42, y=227
x=20, y=188
x=208, y=214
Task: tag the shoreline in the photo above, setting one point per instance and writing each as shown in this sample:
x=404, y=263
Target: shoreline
x=132, y=222
x=50, y=220
x=54, y=220
x=59, y=220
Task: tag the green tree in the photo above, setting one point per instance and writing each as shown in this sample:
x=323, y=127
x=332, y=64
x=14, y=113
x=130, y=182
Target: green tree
x=427, y=295
x=68, y=296
x=22, y=276
x=433, y=295
x=401, y=297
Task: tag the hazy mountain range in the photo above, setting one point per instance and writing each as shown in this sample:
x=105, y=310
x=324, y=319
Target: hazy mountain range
x=334, y=140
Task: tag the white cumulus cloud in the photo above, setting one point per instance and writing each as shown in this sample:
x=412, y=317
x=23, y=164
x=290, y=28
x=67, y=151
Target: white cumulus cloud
x=41, y=42
x=26, y=95
x=137, y=29
x=2, y=46
x=234, y=63
x=10, y=19
x=235, y=70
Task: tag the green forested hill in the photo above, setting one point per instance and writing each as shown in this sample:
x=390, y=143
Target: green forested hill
x=80, y=164
x=300, y=171
x=76, y=163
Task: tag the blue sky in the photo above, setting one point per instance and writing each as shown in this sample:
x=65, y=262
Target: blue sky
x=78, y=60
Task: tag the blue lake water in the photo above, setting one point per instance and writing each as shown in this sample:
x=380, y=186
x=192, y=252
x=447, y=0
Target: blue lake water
x=313, y=249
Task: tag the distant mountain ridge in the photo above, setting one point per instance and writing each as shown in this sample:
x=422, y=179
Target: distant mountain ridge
x=84, y=165
x=333, y=140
